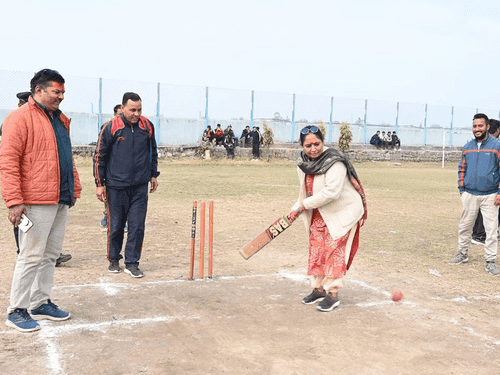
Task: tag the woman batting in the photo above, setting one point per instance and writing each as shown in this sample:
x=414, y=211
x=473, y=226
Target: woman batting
x=333, y=204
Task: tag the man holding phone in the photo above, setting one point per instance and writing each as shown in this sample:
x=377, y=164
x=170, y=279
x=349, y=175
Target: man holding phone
x=63, y=258
x=39, y=180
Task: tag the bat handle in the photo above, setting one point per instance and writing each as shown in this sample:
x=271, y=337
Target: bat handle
x=292, y=216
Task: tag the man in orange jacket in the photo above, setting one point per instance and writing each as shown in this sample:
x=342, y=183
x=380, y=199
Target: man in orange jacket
x=39, y=183
x=63, y=258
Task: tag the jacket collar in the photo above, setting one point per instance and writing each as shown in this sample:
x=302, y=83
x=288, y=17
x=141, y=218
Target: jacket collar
x=39, y=107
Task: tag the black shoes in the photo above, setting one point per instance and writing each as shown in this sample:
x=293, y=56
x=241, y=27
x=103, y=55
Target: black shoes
x=329, y=303
x=63, y=258
x=315, y=296
x=134, y=271
x=114, y=267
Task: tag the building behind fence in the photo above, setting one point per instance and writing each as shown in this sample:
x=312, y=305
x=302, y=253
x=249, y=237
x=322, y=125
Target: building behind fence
x=181, y=113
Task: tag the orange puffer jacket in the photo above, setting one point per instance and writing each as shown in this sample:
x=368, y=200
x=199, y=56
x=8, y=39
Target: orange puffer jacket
x=29, y=160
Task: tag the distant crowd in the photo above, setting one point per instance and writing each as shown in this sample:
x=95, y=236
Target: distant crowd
x=385, y=141
x=226, y=138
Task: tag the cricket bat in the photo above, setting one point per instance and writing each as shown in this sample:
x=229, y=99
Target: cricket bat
x=273, y=231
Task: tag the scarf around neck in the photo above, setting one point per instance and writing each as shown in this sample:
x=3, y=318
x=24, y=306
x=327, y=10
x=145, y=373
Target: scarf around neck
x=324, y=162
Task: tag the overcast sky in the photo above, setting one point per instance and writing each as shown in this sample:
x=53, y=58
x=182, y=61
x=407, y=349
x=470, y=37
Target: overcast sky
x=436, y=52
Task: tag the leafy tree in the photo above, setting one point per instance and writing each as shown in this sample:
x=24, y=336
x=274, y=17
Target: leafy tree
x=267, y=136
x=345, y=137
x=321, y=127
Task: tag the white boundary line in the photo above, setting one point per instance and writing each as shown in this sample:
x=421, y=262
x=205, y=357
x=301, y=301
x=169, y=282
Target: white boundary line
x=49, y=334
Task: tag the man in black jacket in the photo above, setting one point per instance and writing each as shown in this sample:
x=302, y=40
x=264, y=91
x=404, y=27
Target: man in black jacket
x=126, y=162
x=257, y=139
x=375, y=140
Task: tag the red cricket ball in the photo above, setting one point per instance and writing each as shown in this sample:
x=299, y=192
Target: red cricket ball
x=397, y=295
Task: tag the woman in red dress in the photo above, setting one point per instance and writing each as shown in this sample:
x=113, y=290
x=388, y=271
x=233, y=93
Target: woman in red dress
x=333, y=204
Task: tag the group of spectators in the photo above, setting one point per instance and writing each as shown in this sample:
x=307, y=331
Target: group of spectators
x=385, y=141
x=227, y=139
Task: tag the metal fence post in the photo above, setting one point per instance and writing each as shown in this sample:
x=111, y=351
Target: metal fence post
x=425, y=125
x=451, y=128
x=330, y=129
x=293, y=120
x=99, y=117
x=157, y=122
x=364, y=123
x=251, y=111
x=397, y=118
x=206, y=107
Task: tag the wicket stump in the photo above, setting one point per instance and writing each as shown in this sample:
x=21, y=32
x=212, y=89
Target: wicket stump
x=202, y=240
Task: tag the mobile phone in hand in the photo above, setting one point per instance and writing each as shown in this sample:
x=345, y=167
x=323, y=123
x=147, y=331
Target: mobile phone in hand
x=25, y=224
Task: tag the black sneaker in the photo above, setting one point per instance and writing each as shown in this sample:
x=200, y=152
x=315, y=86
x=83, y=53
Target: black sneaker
x=329, y=303
x=478, y=241
x=315, y=296
x=63, y=258
x=114, y=267
x=134, y=271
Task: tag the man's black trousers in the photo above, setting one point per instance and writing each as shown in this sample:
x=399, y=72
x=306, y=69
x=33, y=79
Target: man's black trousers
x=126, y=205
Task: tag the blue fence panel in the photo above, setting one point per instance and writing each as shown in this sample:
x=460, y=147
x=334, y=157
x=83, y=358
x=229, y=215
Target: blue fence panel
x=276, y=110
x=311, y=109
x=182, y=110
x=381, y=112
x=113, y=90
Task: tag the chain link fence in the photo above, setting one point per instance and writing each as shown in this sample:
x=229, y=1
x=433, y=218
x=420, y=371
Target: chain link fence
x=181, y=113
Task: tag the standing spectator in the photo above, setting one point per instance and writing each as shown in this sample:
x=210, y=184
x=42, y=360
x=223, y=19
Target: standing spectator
x=256, y=140
x=494, y=128
x=478, y=183
x=230, y=128
x=126, y=162
x=117, y=111
x=229, y=143
x=40, y=180
x=478, y=232
x=63, y=258
x=245, y=135
x=396, y=142
x=375, y=140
